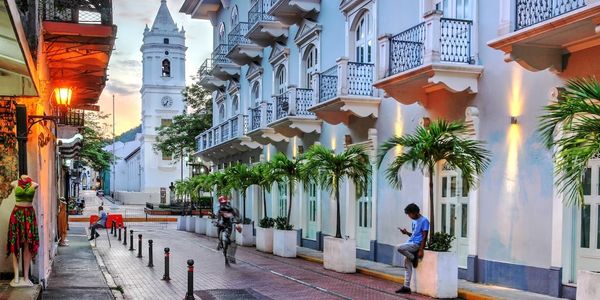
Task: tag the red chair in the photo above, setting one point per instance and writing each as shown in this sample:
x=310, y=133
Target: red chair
x=118, y=218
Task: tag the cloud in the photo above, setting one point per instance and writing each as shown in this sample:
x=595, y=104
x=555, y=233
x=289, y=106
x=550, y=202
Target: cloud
x=116, y=86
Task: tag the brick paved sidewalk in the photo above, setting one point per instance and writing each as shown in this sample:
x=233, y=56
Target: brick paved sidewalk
x=273, y=277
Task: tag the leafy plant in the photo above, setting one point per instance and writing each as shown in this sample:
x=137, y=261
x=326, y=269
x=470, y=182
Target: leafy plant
x=440, y=242
x=290, y=171
x=205, y=201
x=247, y=221
x=430, y=145
x=240, y=178
x=578, y=116
x=265, y=178
x=164, y=206
x=266, y=222
x=281, y=223
x=330, y=169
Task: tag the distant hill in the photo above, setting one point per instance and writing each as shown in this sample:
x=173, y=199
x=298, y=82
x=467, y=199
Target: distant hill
x=129, y=135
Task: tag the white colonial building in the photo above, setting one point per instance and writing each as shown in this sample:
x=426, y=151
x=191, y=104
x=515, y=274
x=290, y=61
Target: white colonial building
x=288, y=74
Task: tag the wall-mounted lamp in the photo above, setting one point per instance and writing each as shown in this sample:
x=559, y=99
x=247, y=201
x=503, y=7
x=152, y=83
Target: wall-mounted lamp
x=513, y=120
x=348, y=140
x=63, y=96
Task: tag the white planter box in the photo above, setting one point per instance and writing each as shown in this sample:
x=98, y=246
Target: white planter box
x=588, y=285
x=190, y=225
x=182, y=223
x=201, y=226
x=339, y=254
x=211, y=229
x=284, y=243
x=246, y=237
x=436, y=275
x=264, y=239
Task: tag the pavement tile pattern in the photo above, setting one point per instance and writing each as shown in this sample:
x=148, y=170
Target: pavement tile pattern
x=267, y=275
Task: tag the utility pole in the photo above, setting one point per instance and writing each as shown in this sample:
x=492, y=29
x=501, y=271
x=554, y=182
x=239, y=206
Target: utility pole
x=114, y=183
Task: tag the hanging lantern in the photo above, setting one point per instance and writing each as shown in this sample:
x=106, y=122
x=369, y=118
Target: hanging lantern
x=63, y=96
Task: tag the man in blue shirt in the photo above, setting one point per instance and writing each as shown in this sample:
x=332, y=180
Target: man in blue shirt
x=101, y=223
x=414, y=247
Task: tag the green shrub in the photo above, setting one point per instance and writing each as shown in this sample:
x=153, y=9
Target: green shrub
x=164, y=206
x=440, y=242
x=247, y=221
x=281, y=224
x=205, y=201
x=266, y=222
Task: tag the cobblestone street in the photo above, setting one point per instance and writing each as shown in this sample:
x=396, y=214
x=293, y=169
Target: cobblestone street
x=273, y=277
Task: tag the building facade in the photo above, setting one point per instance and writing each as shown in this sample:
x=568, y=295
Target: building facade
x=286, y=75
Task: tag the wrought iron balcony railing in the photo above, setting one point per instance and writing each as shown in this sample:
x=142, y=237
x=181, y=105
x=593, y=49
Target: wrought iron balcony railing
x=219, y=55
x=78, y=11
x=531, y=12
x=294, y=102
x=259, y=12
x=237, y=36
x=282, y=105
x=450, y=39
x=346, y=78
x=261, y=115
x=235, y=127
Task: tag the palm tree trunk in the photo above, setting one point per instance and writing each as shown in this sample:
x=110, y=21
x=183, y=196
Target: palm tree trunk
x=338, y=227
x=264, y=201
x=244, y=206
x=431, y=206
x=290, y=191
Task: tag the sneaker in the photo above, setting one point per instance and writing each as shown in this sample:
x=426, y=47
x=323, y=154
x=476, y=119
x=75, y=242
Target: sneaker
x=97, y=235
x=90, y=238
x=415, y=262
x=403, y=290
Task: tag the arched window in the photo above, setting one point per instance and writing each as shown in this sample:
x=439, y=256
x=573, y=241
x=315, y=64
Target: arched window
x=235, y=16
x=235, y=105
x=221, y=113
x=311, y=61
x=281, y=80
x=255, y=94
x=363, y=41
x=222, y=36
x=166, y=68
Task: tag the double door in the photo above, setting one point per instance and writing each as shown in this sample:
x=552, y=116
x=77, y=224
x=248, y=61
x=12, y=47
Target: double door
x=364, y=218
x=453, y=211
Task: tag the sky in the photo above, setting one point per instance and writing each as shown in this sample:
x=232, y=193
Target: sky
x=125, y=67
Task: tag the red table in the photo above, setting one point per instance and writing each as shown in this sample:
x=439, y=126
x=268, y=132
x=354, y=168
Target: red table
x=118, y=218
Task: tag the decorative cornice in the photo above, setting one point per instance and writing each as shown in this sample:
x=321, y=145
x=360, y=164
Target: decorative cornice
x=278, y=54
x=308, y=31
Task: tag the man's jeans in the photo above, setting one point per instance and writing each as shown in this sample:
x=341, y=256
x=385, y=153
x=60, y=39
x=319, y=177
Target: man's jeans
x=409, y=250
x=94, y=227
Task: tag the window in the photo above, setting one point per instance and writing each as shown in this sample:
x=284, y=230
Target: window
x=221, y=113
x=235, y=17
x=255, y=94
x=166, y=41
x=585, y=226
x=363, y=39
x=310, y=65
x=459, y=9
x=280, y=80
x=222, y=37
x=166, y=68
x=235, y=105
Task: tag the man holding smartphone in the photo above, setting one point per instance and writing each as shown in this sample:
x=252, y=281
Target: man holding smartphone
x=413, y=249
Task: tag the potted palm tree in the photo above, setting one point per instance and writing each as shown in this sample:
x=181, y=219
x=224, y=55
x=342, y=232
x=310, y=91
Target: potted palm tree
x=576, y=115
x=218, y=182
x=200, y=186
x=180, y=192
x=241, y=178
x=441, y=141
x=264, y=231
x=330, y=169
x=290, y=172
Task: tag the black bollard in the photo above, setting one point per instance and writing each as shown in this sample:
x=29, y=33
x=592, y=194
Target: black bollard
x=131, y=240
x=190, y=290
x=125, y=235
x=115, y=231
x=119, y=239
x=112, y=227
x=139, y=246
x=166, y=275
x=150, y=263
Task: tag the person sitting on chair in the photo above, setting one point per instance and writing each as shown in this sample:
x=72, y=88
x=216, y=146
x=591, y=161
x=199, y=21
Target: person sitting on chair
x=101, y=223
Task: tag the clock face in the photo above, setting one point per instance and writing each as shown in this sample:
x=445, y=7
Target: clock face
x=166, y=101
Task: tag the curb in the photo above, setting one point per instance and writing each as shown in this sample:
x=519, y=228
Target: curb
x=110, y=282
x=462, y=293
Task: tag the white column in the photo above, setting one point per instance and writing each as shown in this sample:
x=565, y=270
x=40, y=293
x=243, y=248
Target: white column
x=433, y=24
x=350, y=199
x=504, y=16
x=342, y=74
x=316, y=88
x=472, y=115
x=383, y=58
x=292, y=108
x=374, y=180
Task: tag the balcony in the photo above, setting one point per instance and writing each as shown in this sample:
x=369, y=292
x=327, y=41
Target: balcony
x=79, y=37
x=222, y=67
x=292, y=117
x=259, y=131
x=341, y=101
x=264, y=28
x=242, y=50
x=546, y=30
x=294, y=11
x=225, y=139
x=431, y=56
x=207, y=80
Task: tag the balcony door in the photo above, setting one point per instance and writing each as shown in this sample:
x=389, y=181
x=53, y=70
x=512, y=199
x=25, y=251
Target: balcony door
x=281, y=80
x=364, y=216
x=456, y=9
x=311, y=228
x=453, y=211
x=587, y=228
x=363, y=39
x=310, y=65
x=282, y=199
